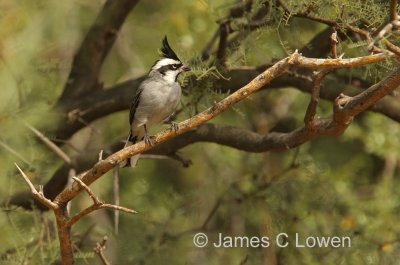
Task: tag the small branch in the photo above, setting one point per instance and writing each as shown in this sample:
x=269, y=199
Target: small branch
x=57, y=150
x=99, y=250
x=394, y=17
x=205, y=54
x=185, y=161
x=223, y=36
x=14, y=152
x=316, y=63
x=97, y=204
x=38, y=195
x=88, y=190
x=334, y=43
x=387, y=28
x=309, y=118
x=214, y=210
x=391, y=47
x=116, y=196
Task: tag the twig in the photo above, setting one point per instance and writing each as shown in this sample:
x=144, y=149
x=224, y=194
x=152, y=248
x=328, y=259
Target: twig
x=185, y=161
x=391, y=47
x=97, y=204
x=57, y=150
x=88, y=190
x=14, y=152
x=334, y=43
x=205, y=54
x=99, y=250
x=309, y=118
x=394, y=17
x=387, y=28
x=116, y=197
x=37, y=194
x=315, y=63
x=223, y=36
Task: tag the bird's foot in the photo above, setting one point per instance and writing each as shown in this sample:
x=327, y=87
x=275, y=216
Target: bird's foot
x=149, y=139
x=174, y=126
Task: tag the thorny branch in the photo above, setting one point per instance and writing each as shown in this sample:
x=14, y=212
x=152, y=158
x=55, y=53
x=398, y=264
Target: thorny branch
x=37, y=194
x=97, y=204
x=99, y=250
x=341, y=119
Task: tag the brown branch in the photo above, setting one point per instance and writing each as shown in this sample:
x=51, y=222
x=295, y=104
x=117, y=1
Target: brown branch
x=89, y=59
x=99, y=250
x=97, y=204
x=64, y=234
x=387, y=28
x=105, y=165
x=316, y=63
x=326, y=128
x=95, y=105
x=345, y=108
x=225, y=29
x=393, y=14
x=334, y=43
x=57, y=150
x=391, y=47
x=64, y=223
x=207, y=132
x=102, y=103
x=222, y=46
x=309, y=118
x=38, y=195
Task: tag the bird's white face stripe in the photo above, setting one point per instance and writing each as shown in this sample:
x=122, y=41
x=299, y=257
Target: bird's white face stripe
x=164, y=62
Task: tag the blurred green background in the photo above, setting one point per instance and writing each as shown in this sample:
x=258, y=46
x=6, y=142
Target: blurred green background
x=345, y=186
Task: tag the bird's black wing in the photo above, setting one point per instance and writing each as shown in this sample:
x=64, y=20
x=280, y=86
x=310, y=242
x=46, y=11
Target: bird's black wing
x=134, y=105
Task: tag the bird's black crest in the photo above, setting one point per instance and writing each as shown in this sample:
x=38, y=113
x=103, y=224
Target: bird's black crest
x=167, y=51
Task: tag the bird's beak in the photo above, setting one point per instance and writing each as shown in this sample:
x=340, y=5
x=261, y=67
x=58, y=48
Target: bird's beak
x=185, y=68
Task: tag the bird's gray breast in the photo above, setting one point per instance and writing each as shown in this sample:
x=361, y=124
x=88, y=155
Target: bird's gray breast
x=158, y=101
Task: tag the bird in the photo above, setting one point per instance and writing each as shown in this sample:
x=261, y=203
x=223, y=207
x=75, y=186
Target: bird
x=156, y=98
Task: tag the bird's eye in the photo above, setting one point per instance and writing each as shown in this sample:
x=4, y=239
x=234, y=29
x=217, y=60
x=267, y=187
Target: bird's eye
x=174, y=66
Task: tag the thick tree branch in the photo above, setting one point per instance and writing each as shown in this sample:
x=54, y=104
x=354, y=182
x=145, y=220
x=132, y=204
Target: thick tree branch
x=98, y=41
x=107, y=164
x=105, y=102
x=336, y=126
x=95, y=105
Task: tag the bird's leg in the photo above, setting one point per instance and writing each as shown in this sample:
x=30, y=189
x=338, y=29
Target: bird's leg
x=174, y=126
x=148, y=139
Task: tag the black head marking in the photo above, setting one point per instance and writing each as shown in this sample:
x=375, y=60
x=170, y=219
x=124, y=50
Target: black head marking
x=167, y=51
x=169, y=67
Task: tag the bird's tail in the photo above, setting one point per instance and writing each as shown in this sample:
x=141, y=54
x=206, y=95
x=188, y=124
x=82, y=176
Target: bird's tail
x=132, y=161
